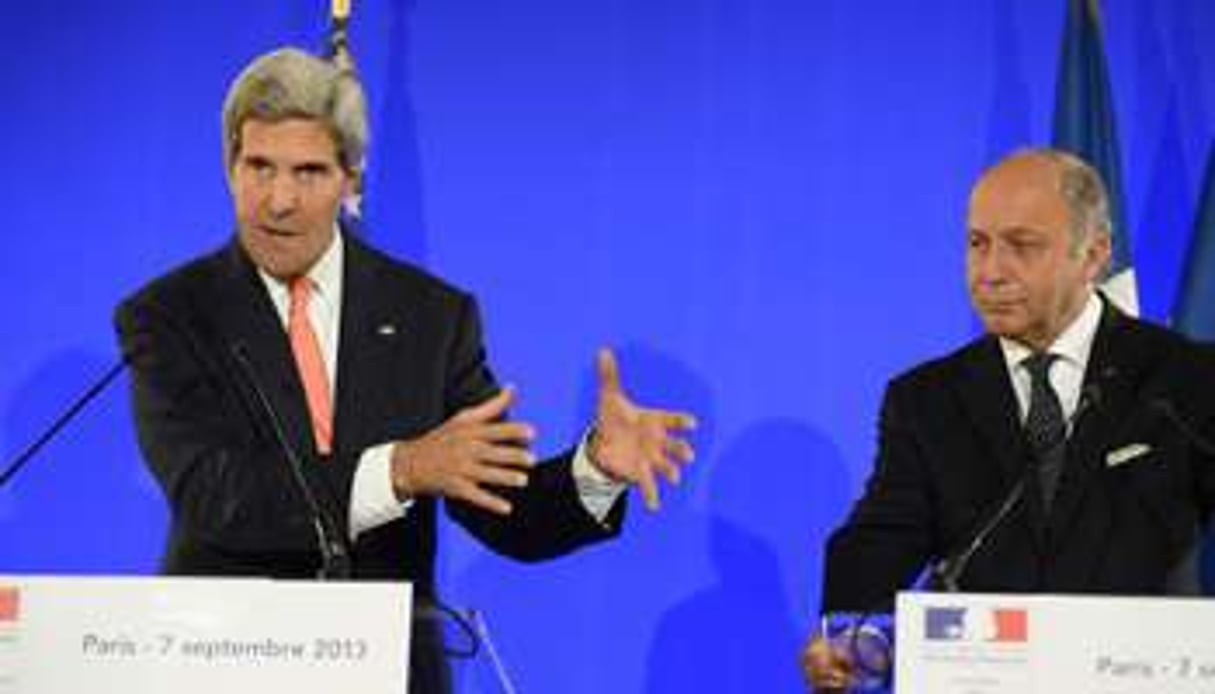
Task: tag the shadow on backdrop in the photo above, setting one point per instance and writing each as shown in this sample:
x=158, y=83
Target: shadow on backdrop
x=587, y=593
x=393, y=204
x=85, y=503
x=779, y=484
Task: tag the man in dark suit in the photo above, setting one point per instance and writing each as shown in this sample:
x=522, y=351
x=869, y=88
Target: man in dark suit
x=297, y=340
x=1068, y=412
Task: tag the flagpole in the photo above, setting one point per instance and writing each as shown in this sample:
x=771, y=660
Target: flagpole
x=339, y=43
x=1194, y=309
x=1084, y=124
x=340, y=55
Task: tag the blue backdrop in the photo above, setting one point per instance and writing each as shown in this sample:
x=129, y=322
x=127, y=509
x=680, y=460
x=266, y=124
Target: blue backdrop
x=759, y=203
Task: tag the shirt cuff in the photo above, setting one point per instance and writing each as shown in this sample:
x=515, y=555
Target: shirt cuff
x=597, y=491
x=372, y=499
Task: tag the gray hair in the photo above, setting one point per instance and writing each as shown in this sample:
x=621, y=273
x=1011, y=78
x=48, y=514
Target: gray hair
x=1082, y=190
x=289, y=83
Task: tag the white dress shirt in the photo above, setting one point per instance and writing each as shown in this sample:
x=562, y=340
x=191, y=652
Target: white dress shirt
x=1072, y=347
x=372, y=499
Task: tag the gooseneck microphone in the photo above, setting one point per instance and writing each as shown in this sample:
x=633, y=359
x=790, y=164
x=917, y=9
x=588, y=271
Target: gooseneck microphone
x=1165, y=407
x=335, y=554
x=95, y=389
x=946, y=574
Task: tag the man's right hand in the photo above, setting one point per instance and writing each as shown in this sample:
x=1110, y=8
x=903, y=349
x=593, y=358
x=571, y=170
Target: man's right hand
x=826, y=667
x=459, y=459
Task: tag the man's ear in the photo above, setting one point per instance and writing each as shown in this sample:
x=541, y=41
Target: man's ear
x=353, y=186
x=352, y=192
x=1097, y=255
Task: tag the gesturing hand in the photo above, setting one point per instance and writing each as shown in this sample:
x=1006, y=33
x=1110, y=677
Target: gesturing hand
x=632, y=443
x=465, y=455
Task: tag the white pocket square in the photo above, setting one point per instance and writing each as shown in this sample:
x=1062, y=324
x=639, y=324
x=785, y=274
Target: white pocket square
x=1127, y=453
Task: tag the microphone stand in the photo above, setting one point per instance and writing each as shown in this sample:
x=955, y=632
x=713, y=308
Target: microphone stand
x=335, y=557
x=946, y=574
x=68, y=415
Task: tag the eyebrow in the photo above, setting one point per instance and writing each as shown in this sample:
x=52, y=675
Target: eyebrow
x=1006, y=231
x=1022, y=231
x=314, y=165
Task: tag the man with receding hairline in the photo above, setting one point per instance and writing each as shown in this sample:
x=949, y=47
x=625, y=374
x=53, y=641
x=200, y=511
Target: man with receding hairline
x=1061, y=396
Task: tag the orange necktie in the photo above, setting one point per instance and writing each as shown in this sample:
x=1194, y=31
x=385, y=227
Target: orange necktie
x=311, y=365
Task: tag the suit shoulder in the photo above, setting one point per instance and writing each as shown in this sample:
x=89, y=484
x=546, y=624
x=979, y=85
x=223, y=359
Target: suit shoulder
x=1152, y=344
x=942, y=368
x=404, y=276
x=180, y=285
x=1157, y=335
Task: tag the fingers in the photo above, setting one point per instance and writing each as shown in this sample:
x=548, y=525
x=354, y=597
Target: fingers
x=609, y=373
x=639, y=445
x=479, y=482
x=475, y=481
x=668, y=469
x=477, y=496
x=678, y=421
x=680, y=450
x=499, y=477
x=518, y=433
x=826, y=667
x=486, y=455
x=471, y=457
x=487, y=410
x=668, y=454
x=649, y=489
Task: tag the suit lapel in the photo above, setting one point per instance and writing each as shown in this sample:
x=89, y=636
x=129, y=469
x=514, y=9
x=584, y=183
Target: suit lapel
x=375, y=343
x=991, y=404
x=247, y=317
x=992, y=407
x=1115, y=366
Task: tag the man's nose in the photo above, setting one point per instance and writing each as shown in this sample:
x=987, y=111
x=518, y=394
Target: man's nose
x=991, y=266
x=283, y=196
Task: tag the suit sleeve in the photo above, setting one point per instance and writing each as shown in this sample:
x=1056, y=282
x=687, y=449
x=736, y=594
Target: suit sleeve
x=885, y=541
x=226, y=481
x=1203, y=399
x=548, y=518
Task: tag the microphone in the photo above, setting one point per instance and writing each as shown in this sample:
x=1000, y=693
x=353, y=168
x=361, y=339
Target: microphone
x=1186, y=576
x=946, y=574
x=95, y=389
x=335, y=555
x=333, y=548
x=1092, y=394
x=1165, y=407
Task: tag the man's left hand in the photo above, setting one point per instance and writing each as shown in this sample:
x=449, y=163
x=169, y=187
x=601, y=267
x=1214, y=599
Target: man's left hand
x=635, y=444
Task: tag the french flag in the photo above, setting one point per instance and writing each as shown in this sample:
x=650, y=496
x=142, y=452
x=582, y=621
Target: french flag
x=1009, y=626
x=10, y=603
x=945, y=623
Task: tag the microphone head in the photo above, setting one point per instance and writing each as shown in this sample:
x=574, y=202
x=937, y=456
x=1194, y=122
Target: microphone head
x=1165, y=407
x=1093, y=391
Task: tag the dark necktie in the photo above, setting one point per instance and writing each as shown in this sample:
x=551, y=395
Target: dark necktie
x=1044, y=425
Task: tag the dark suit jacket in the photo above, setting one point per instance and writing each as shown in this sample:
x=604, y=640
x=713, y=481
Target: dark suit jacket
x=410, y=355
x=951, y=448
